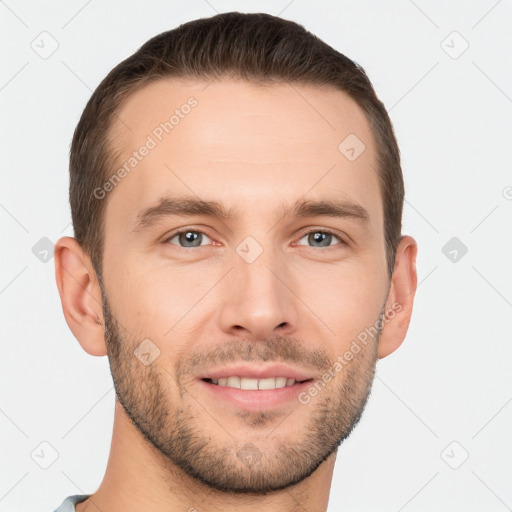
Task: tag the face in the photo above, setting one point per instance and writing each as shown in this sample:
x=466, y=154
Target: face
x=278, y=287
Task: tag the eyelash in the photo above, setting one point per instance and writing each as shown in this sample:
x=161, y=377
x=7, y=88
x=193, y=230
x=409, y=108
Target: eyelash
x=323, y=230
x=328, y=232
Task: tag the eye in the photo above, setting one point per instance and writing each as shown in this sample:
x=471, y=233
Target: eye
x=321, y=237
x=188, y=238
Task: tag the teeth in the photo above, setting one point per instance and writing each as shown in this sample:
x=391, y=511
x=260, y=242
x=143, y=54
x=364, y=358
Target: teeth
x=246, y=383
x=280, y=382
x=233, y=382
x=269, y=383
x=253, y=384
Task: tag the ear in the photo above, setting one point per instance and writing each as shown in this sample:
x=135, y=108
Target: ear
x=80, y=295
x=400, y=297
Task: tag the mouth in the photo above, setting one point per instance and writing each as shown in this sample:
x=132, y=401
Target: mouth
x=253, y=384
x=254, y=387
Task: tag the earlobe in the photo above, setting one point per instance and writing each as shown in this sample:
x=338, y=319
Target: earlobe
x=80, y=295
x=400, y=299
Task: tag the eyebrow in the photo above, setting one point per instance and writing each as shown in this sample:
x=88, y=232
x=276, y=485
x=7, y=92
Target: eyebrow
x=190, y=206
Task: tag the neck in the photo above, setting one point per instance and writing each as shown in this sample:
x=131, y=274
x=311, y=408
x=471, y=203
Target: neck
x=138, y=477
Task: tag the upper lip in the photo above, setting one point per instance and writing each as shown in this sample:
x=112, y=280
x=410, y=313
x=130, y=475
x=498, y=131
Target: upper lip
x=258, y=372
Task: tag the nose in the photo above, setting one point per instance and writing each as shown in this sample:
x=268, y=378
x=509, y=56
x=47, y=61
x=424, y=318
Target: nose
x=258, y=299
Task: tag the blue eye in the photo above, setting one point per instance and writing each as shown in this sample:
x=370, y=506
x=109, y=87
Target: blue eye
x=188, y=238
x=323, y=238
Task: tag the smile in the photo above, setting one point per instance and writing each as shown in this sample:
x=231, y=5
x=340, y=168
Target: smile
x=248, y=383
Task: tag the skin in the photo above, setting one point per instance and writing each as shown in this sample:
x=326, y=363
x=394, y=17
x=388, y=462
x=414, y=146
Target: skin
x=255, y=149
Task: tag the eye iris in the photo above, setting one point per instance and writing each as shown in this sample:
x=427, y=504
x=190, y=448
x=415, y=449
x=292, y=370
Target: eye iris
x=319, y=236
x=190, y=236
x=194, y=238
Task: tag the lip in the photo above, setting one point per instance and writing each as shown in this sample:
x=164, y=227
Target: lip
x=254, y=400
x=258, y=372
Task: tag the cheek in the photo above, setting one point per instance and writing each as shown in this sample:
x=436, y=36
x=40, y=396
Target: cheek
x=154, y=300
x=347, y=299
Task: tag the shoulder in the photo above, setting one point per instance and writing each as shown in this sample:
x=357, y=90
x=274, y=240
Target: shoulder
x=68, y=505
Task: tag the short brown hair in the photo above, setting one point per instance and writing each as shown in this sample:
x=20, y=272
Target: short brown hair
x=257, y=47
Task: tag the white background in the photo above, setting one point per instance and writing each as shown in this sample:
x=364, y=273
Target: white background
x=450, y=380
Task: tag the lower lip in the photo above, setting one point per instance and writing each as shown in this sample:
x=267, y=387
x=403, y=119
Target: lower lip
x=256, y=400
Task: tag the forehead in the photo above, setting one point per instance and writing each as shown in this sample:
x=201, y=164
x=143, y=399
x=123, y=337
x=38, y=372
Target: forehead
x=241, y=143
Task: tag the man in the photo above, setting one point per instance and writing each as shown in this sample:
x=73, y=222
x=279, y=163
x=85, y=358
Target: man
x=236, y=195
